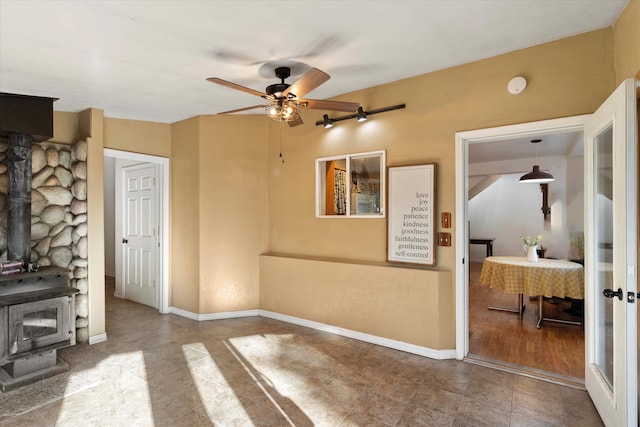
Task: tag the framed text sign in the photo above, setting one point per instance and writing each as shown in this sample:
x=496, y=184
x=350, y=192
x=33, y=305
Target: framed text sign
x=410, y=213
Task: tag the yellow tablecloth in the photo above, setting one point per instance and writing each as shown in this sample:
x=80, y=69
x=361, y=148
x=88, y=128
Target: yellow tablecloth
x=548, y=277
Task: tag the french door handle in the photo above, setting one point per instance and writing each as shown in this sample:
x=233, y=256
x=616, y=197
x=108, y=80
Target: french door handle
x=610, y=293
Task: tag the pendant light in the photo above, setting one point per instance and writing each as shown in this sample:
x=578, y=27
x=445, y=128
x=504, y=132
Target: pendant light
x=536, y=176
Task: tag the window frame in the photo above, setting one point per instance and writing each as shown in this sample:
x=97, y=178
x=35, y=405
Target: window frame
x=320, y=184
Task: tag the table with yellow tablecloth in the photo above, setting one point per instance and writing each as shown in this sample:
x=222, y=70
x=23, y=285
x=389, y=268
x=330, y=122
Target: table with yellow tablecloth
x=547, y=277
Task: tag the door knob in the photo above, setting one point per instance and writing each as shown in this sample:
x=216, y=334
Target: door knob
x=124, y=240
x=610, y=293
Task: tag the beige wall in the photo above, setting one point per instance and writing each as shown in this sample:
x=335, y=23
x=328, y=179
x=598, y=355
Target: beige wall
x=138, y=136
x=219, y=217
x=567, y=77
x=402, y=303
x=66, y=127
x=626, y=33
x=233, y=211
x=184, y=252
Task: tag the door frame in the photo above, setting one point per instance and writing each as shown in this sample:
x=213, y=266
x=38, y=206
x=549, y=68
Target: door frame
x=463, y=139
x=162, y=163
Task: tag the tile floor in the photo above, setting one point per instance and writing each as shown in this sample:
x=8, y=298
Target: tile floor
x=165, y=370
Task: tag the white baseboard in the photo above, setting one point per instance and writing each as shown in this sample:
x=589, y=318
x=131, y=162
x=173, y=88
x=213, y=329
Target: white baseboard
x=373, y=339
x=213, y=316
x=98, y=338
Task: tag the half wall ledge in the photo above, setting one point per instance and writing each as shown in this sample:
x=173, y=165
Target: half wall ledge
x=401, y=304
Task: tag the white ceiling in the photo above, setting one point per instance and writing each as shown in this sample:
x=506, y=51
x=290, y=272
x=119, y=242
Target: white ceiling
x=148, y=60
x=564, y=144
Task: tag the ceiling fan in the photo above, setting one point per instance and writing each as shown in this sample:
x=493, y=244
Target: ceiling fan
x=284, y=101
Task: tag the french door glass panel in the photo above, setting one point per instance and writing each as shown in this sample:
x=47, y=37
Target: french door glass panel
x=603, y=154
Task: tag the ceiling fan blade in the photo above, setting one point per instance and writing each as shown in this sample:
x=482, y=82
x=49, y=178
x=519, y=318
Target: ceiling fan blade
x=317, y=104
x=321, y=46
x=243, y=109
x=308, y=82
x=296, y=122
x=235, y=86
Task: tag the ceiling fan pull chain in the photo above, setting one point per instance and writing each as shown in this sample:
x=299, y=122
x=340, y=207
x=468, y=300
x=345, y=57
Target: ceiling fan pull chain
x=281, y=150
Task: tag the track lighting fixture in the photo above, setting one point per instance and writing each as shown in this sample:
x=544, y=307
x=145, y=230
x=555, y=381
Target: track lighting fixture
x=361, y=115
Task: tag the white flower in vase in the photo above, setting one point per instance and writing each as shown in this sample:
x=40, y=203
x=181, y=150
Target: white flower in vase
x=531, y=242
x=531, y=246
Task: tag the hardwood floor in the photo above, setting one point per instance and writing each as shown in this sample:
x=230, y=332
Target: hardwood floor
x=505, y=336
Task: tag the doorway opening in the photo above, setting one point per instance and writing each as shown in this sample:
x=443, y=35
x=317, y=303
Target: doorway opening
x=495, y=210
x=115, y=164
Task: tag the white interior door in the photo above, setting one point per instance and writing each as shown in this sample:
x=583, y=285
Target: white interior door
x=140, y=234
x=611, y=258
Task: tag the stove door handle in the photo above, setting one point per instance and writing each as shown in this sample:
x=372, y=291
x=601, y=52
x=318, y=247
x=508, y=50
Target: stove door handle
x=14, y=347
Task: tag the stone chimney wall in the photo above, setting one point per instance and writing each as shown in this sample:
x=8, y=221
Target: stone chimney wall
x=58, y=215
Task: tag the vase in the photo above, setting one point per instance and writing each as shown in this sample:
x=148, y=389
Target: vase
x=532, y=253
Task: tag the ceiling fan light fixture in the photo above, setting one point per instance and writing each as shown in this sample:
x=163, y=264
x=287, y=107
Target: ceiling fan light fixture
x=272, y=110
x=283, y=111
x=327, y=121
x=536, y=176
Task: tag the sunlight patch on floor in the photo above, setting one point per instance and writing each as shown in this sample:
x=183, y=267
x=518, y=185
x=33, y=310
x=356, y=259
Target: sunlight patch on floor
x=119, y=379
x=261, y=381
x=204, y=371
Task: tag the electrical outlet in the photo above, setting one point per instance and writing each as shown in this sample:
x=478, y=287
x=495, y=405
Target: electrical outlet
x=444, y=239
x=446, y=220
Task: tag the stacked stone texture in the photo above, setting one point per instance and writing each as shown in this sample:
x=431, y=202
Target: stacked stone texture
x=58, y=215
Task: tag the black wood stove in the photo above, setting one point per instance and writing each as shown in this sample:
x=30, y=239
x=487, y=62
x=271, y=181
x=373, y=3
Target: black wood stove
x=37, y=314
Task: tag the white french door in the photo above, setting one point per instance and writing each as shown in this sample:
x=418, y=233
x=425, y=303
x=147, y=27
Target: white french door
x=611, y=257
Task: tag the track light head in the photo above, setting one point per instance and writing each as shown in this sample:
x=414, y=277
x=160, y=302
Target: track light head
x=361, y=116
x=327, y=121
